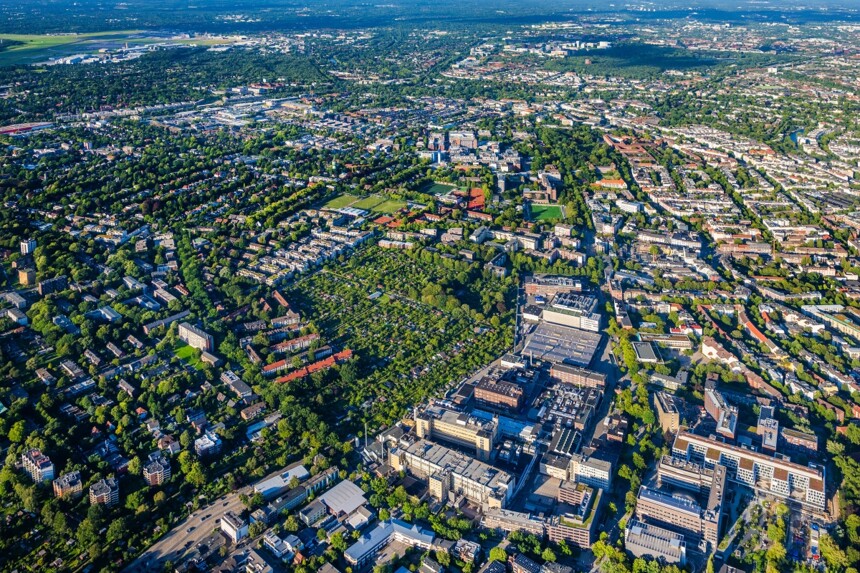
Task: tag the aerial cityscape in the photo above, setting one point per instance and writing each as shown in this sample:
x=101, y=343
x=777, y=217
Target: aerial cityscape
x=425, y=287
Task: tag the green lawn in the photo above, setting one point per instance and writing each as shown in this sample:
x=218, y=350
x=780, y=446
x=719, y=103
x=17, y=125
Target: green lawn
x=368, y=203
x=390, y=206
x=341, y=201
x=545, y=212
x=187, y=354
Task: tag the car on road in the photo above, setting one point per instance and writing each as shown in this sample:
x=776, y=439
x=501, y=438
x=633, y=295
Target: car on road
x=190, y=529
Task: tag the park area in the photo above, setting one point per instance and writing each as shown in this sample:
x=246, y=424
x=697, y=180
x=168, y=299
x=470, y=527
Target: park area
x=375, y=203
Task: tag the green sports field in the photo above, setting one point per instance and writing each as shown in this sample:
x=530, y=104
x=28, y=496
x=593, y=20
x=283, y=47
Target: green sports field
x=375, y=203
x=545, y=212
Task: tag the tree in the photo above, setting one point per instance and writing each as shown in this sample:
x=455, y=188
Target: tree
x=18, y=432
x=548, y=555
x=117, y=530
x=338, y=542
x=134, y=466
x=256, y=528
x=498, y=554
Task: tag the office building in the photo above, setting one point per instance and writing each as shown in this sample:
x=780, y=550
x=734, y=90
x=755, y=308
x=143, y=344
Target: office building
x=768, y=428
x=681, y=473
x=438, y=422
x=368, y=545
x=577, y=517
x=772, y=475
x=499, y=393
x=567, y=374
x=196, y=338
x=234, y=527
x=678, y=513
x=652, y=542
x=450, y=473
x=508, y=521
x=37, y=465
x=573, y=310
x=105, y=492
x=591, y=471
x=667, y=412
x=69, y=485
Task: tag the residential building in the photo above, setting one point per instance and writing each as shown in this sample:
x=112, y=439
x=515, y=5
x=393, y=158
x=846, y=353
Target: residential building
x=195, y=337
x=37, y=465
x=156, y=471
x=69, y=485
x=105, y=492
x=207, y=445
x=28, y=246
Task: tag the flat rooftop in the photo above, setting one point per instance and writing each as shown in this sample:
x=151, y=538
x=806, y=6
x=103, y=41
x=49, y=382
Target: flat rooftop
x=562, y=344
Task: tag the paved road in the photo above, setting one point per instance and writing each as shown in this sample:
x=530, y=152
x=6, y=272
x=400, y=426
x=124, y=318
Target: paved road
x=180, y=541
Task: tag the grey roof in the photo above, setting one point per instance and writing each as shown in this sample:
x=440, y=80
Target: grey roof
x=345, y=497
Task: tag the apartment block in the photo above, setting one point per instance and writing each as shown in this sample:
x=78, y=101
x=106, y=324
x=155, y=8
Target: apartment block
x=195, y=337
x=37, y=465
x=105, y=491
x=69, y=484
x=156, y=471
